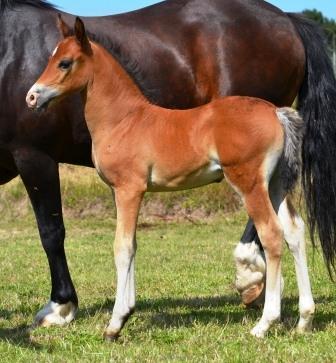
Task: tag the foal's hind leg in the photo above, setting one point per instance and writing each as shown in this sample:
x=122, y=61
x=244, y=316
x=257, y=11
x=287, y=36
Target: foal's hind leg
x=128, y=204
x=269, y=229
x=293, y=226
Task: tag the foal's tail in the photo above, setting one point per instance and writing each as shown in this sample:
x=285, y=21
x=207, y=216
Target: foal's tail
x=317, y=105
x=290, y=163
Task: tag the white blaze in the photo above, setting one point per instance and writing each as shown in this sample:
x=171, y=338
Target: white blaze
x=54, y=52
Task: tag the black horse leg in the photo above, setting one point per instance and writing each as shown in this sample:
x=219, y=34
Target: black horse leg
x=40, y=176
x=250, y=234
x=250, y=267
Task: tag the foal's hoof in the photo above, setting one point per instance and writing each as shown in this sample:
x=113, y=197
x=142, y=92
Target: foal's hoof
x=55, y=314
x=111, y=337
x=112, y=331
x=258, y=333
x=305, y=326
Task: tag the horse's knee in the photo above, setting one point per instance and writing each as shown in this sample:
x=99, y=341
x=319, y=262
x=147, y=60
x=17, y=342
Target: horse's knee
x=52, y=238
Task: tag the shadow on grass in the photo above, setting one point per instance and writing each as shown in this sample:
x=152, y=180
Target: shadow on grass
x=19, y=336
x=185, y=312
x=166, y=312
x=177, y=312
x=325, y=312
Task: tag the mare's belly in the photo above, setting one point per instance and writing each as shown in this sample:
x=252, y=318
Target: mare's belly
x=211, y=173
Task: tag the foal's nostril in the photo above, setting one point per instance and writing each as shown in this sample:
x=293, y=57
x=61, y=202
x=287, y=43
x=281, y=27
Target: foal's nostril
x=32, y=99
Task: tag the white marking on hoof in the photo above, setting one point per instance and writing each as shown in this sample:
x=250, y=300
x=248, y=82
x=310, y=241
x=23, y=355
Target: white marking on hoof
x=264, y=324
x=305, y=324
x=260, y=330
x=55, y=314
x=116, y=323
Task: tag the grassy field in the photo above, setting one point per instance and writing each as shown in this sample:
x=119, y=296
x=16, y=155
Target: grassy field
x=84, y=194
x=187, y=309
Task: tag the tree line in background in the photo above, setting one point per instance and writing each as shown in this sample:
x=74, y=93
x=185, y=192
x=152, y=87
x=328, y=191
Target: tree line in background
x=329, y=26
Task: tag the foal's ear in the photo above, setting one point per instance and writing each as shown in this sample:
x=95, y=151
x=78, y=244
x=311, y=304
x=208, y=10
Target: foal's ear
x=63, y=27
x=81, y=36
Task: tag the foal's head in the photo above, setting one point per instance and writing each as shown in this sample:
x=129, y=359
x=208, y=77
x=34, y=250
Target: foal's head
x=69, y=68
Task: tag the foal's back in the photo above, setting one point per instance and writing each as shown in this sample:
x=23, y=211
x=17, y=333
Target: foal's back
x=190, y=148
x=233, y=128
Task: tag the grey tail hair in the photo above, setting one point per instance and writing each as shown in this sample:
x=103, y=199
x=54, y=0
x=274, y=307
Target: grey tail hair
x=291, y=162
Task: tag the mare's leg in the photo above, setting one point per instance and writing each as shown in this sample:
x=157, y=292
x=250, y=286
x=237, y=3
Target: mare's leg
x=128, y=202
x=293, y=226
x=250, y=267
x=40, y=176
x=269, y=229
x=6, y=175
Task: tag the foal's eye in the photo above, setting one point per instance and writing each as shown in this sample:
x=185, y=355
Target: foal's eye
x=65, y=64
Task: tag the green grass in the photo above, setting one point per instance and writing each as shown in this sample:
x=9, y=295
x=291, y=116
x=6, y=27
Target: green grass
x=187, y=308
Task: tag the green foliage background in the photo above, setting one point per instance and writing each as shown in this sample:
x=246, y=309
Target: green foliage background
x=328, y=25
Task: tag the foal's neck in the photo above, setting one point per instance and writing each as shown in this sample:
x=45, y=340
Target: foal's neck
x=111, y=95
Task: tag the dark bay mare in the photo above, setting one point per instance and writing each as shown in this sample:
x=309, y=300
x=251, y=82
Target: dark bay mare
x=181, y=53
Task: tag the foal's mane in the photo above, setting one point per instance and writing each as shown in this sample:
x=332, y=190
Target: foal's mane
x=12, y=4
x=130, y=64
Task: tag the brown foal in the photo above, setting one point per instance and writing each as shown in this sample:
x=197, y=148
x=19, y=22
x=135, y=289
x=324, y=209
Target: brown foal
x=139, y=147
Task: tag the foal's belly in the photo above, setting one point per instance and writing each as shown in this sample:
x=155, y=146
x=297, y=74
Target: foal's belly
x=210, y=173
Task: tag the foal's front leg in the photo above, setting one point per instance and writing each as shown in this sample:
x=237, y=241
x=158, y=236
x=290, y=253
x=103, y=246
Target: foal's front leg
x=128, y=204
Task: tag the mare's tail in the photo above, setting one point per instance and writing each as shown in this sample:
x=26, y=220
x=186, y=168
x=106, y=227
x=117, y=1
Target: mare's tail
x=291, y=164
x=317, y=106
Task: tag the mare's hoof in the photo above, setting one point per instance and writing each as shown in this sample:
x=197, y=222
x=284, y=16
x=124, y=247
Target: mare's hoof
x=55, y=314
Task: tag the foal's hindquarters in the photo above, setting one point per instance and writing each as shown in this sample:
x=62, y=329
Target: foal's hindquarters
x=251, y=152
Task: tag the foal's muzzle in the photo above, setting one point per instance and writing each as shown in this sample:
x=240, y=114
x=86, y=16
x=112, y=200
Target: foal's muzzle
x=39, y=97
